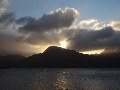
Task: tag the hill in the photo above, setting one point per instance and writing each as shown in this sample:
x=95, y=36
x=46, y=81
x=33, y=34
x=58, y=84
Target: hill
x=56, y=57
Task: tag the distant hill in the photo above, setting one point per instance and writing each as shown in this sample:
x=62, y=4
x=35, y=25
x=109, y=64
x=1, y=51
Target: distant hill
x=10, y=60
x=57, y=57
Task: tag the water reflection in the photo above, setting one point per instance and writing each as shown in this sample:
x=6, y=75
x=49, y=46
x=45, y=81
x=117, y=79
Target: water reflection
x=62, y=82
x=60, y=79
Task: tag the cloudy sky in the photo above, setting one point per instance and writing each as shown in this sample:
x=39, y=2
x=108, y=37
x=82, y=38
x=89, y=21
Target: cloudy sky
x=30, y=26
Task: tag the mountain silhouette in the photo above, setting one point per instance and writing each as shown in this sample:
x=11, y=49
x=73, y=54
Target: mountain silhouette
x=59, y=50
x=57, y=57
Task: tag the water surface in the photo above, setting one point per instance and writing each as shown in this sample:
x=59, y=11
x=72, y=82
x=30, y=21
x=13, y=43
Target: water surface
x=59, y=79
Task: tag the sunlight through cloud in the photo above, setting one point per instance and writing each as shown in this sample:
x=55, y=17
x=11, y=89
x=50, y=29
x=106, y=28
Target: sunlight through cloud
x=63, y=44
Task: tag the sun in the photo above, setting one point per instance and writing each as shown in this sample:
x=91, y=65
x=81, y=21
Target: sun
x=63, y=44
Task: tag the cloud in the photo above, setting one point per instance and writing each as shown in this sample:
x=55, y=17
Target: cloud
x=31, y=35
x=87, y=22
x=115, y=25
x=11, y=44
x=50, y=38
x=61, y=18
x=97, y=26
x=11, y=35
x=3, y=6
x=85, y=39
x=7, y=24
x=7, y=18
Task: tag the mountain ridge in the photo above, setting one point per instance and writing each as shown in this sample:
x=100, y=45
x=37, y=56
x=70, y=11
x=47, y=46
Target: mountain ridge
x=57, y=57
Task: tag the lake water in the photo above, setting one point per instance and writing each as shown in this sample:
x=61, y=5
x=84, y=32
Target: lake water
x=59, y=79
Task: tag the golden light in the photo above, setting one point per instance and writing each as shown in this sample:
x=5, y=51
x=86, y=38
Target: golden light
x=62, y=82
x=63, y=44
x=93, y=51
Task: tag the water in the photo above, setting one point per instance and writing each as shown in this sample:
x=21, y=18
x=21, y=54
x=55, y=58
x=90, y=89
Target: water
x=60, y=79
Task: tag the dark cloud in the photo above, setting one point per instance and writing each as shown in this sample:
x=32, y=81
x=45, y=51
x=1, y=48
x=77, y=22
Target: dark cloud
x=25, y=34
x=51, y=21
x=15, y=42
x=7, y=18
x=25, y=20
x=50, y=38
x=94, y=39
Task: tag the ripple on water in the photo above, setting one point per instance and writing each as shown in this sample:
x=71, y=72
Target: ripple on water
x=60, y=79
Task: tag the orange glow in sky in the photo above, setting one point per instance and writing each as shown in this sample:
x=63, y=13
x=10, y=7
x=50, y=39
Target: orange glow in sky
x=93, y=51
x=63, y=44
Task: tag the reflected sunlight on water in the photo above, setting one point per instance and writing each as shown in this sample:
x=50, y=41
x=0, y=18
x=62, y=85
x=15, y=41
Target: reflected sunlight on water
x=60, y=79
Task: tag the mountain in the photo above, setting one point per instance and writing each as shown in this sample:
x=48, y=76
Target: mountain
x=56, y=57
x=58, y=50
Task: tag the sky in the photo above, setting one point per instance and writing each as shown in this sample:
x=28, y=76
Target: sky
x=99, y=9
x=30, y=26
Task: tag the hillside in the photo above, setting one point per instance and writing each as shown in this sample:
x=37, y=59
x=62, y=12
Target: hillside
x=56, y=57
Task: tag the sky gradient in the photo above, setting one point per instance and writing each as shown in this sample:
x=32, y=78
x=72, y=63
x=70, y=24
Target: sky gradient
x=30, y=26
x=98, y=9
